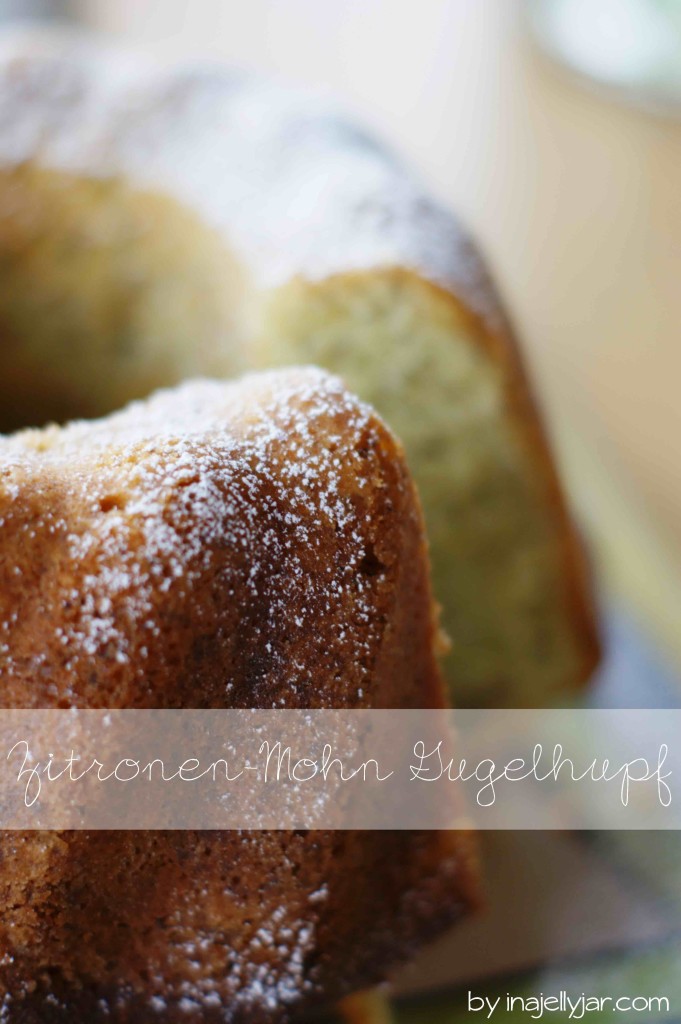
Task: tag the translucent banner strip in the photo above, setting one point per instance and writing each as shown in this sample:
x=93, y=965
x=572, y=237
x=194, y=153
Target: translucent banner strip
x=239, y=769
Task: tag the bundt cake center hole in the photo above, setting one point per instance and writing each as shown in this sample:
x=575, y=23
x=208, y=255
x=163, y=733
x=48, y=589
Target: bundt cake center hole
x=107, y=293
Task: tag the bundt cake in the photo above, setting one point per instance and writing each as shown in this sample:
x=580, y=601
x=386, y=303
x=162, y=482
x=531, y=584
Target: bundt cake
x=158, y=223
x=254, y=544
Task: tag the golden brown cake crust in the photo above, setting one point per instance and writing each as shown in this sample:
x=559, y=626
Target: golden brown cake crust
x=281, y=492
x=248, y=545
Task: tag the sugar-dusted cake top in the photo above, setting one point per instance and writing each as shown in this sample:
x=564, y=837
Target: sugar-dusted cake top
x=256, y=520
x=293, y=184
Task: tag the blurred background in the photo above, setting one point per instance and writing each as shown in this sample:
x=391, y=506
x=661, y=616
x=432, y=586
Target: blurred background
x=575, y=197
x=568, y=171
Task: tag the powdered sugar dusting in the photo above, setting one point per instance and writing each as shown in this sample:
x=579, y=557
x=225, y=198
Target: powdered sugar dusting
x=130, y=519
x=116, y=532
x=294, y=186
